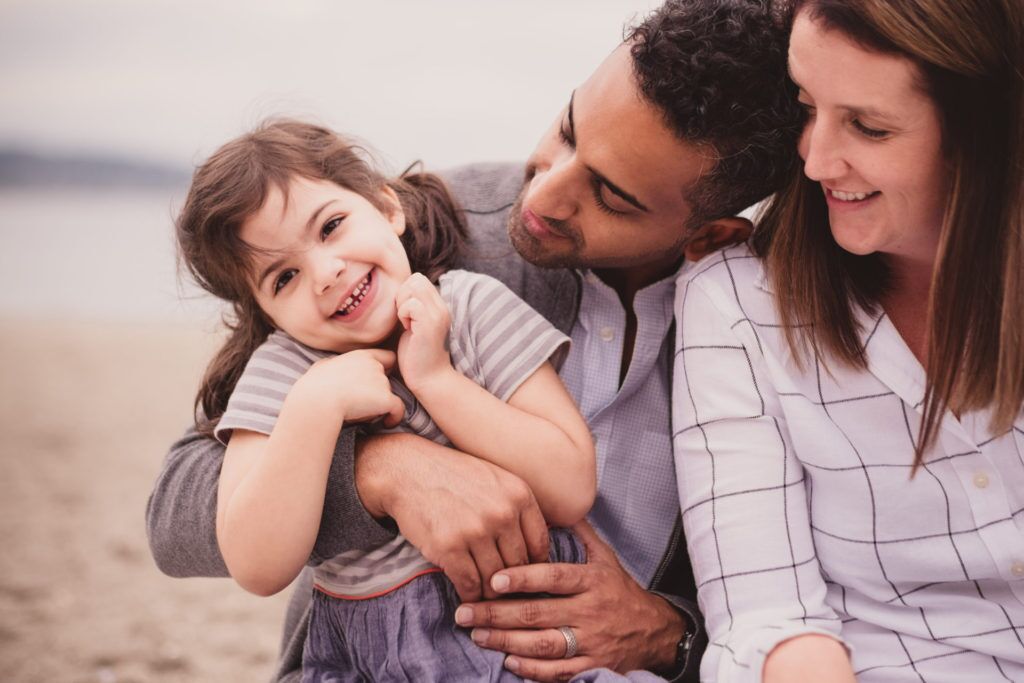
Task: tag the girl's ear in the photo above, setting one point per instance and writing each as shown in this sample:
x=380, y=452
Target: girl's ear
x=396, y=217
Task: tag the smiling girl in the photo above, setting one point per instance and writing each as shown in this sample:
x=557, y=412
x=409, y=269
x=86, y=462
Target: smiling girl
x=330, y=270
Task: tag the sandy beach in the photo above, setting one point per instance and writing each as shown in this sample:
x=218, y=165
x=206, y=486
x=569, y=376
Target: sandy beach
x=87, y=411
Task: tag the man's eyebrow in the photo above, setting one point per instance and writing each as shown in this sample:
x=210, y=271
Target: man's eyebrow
x=278, y=262
x=615, y=189
x=618, y=191
x=572, y=124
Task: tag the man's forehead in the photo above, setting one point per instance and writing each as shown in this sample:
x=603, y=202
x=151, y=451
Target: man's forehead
x=625, y=137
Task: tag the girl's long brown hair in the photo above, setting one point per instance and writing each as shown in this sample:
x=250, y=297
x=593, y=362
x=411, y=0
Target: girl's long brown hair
x=971, y=59
x=233, y=184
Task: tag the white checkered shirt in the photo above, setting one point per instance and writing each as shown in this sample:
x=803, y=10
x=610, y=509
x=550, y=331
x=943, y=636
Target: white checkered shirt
x=799, y=509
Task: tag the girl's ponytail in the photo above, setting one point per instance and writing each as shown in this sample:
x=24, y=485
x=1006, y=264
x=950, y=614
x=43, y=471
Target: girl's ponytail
x=248, y=330
x=435, y=234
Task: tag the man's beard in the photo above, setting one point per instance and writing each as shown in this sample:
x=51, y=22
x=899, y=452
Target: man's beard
x=535, y=251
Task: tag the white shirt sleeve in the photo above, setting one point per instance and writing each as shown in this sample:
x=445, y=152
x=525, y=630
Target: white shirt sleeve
x=742, y=489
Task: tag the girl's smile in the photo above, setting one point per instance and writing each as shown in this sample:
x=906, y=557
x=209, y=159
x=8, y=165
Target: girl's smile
x=329, y=264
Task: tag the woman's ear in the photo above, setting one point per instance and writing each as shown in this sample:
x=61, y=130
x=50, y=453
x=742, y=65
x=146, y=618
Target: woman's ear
x=716, y=235
x=394, y=214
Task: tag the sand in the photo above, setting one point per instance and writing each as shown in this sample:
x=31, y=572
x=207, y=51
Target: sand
x=87, y=411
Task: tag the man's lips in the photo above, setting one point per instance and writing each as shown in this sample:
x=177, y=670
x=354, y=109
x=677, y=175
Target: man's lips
x=538, y=227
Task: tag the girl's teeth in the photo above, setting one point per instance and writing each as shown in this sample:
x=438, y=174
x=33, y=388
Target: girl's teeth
x=358, y=294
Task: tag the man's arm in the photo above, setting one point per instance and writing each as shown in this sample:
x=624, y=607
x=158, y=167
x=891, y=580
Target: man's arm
x=182, y=510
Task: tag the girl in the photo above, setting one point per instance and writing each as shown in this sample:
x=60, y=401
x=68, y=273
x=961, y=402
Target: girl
x=850, y=387
x=329, y=270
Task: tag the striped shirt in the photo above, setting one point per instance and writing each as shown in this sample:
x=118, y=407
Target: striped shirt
x=800, y=511
x=495, y=339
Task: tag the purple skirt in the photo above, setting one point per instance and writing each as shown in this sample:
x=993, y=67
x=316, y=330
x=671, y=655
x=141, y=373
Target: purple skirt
x=408, y=634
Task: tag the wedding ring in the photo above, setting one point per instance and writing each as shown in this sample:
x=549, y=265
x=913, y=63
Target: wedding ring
x=571, y=646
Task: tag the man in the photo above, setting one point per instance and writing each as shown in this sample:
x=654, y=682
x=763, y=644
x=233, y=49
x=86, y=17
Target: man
x=685, y=124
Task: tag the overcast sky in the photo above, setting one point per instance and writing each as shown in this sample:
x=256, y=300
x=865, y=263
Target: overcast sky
x=449, y=81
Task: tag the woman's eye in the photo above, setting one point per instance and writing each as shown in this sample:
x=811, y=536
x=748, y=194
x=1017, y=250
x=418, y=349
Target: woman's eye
x=330, y=226
x=283, y=279
x=869, y=132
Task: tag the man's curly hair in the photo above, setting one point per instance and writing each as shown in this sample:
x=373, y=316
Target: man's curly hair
x=717, y=71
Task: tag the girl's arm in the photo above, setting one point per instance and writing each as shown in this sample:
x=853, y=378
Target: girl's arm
x=271, y=491
x=538, y=434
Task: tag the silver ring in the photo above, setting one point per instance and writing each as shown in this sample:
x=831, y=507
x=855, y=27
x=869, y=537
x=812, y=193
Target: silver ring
x=571, y=646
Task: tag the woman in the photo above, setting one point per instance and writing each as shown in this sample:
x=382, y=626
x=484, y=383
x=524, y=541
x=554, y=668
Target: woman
x=849, y=435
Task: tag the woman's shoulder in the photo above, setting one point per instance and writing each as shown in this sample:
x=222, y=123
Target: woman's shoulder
x=733, y=279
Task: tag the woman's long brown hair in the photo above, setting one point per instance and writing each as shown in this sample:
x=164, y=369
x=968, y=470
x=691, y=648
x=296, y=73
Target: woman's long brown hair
x=971, y=59
x=233, y=184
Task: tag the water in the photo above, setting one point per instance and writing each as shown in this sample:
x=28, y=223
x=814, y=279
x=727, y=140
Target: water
x=85, y=254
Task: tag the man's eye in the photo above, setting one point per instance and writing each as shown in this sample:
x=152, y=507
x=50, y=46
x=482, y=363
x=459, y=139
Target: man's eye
x=565, y=136
x=607, y=201
x=330, y=226
x=283, y=279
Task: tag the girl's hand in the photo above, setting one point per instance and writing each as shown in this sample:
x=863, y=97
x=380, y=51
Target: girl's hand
x=422, y=349
x=358, y=382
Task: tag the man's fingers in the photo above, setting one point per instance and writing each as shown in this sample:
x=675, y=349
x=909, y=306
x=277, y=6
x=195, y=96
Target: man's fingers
x=548, y=669
x=594, y=544
x=488, y=561
x=548, y=643
x=512, y=548
x=462, y=572
x=514, y=614
x=556, y=578
x=535, y=532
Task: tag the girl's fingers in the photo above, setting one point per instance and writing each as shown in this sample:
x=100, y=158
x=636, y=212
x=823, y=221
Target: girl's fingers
x=396, y=413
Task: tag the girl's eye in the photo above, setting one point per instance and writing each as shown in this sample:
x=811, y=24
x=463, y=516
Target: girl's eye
x=283, y=279
x=869, y=132
x=809, y=109
x=330, y=227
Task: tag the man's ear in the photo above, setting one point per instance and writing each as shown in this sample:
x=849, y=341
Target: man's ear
x=394, y=214
x=716, y=235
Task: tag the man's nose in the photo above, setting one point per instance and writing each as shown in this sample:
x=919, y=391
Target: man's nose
x=553, y=190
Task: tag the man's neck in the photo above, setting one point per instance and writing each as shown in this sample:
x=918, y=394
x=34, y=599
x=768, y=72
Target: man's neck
x=627, y=282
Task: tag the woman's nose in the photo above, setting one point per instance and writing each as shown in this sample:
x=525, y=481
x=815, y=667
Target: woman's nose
x=821, y=152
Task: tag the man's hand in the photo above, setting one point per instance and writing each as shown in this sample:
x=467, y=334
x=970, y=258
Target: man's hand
x=617, y=623
x=465, y=515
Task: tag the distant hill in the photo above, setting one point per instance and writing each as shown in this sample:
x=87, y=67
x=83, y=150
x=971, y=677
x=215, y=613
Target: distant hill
x=19, y=168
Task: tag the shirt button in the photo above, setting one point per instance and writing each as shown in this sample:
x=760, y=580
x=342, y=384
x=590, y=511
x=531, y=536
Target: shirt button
x=607, y=333
x=981, y=481
x=1018, y=569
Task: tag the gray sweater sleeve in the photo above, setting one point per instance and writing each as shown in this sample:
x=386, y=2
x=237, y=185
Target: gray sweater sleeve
x=181, y=516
